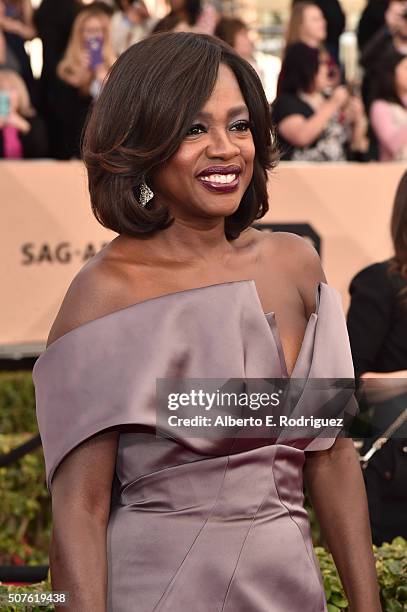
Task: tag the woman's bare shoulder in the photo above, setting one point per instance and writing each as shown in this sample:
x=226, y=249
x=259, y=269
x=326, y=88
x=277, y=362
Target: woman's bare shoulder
x=299, y=260
x=98, y=289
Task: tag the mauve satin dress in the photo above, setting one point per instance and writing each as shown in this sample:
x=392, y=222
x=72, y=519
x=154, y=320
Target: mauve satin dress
x=192, y=526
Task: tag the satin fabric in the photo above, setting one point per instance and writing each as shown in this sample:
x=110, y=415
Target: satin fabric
x=208, y=525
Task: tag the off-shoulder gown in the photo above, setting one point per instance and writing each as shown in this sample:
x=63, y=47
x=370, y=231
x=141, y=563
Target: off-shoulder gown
x=192, y=527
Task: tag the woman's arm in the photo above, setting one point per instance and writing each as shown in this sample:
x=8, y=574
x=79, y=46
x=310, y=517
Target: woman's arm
x=390, y=135
x=82, y=484
x=300, y=131
x=335, y=486
x=81, y=492
x=383, y=386
x=24, y=27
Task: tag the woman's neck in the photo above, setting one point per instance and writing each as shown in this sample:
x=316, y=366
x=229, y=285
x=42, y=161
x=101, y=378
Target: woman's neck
x=187, y=242
x=314, y=98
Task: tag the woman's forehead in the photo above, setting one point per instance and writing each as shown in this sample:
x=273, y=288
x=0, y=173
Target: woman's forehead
x=226, y=89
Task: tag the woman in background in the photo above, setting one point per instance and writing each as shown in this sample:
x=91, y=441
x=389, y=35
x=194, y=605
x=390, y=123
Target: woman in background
x=377, y=326
x=308, y=25
x=131, y=23
x=16, y=22
x=22, y=132
x=310, y=125
x=81, y=71
x=388, y=113
x=236, y=33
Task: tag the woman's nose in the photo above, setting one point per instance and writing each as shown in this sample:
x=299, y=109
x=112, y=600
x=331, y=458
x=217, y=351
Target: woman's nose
x=221, y=145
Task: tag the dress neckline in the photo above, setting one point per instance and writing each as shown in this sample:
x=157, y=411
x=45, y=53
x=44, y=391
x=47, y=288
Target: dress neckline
x=268, y=316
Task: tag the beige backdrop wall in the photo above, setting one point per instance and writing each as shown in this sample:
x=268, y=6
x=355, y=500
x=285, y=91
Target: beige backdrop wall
x=48, y=231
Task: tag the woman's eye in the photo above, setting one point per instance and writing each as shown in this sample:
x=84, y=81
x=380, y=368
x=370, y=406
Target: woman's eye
x=242, y=126
x=198, y=128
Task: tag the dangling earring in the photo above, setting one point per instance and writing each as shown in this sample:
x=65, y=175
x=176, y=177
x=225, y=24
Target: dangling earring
x=145, y=194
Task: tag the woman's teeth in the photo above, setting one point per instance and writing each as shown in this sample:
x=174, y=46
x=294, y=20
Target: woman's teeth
x=219, y=178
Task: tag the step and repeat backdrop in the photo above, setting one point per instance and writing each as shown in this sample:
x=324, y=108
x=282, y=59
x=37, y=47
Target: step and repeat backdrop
x=49, y=232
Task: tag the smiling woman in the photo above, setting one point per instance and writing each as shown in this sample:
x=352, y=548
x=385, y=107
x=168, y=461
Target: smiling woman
x=148, y=517
x=169, y=119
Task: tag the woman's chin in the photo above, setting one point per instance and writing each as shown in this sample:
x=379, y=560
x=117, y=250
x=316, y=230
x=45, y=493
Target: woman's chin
x=220, y=207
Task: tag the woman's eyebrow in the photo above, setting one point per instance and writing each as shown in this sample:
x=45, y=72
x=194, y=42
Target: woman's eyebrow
x=232, y=112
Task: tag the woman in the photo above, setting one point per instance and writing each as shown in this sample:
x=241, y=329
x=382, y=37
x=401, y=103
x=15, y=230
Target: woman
x=308, y=25
x=131, y=23
x=377, y=324
x=22, y=132
x=81, y=72
x=310, y=125
x=181, y=521
x=388, y=113
x=16, y=21
x=236, y=33
x=335, y=21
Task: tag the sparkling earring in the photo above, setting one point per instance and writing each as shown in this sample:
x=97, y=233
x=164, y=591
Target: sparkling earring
x=145, y=194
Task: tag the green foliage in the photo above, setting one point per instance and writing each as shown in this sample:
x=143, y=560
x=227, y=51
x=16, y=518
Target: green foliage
x=391, y=567
x=41, y=587
x=25, y=509
x=17, y=403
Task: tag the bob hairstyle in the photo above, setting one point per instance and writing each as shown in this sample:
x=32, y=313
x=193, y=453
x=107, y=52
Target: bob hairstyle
x=299, y=69
x=145, y=109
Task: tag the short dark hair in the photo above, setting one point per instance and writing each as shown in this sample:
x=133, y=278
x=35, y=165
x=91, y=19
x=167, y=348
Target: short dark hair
x=145, y=109
x=299, y=69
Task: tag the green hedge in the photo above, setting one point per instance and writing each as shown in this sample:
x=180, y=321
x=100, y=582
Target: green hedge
x=25, y=511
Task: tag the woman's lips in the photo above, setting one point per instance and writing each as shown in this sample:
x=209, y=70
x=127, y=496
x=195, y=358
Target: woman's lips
x=217, y=187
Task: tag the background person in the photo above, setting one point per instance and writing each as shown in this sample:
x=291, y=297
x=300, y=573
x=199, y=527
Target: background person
x=311, y=126
x=388, y=112
x=81, y=71
x=22, y=131
x=236, y=33
x=308, y=25
x=131, y=23
x=377, y=325
x=335, y=20
x=391, y=38
x=53, y=21
x=16, y=22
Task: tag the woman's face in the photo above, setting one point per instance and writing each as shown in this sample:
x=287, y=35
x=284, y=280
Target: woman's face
x=92, y=28
x=208, y=175
x=313, y=26
x=401, y=77
x=243, y=44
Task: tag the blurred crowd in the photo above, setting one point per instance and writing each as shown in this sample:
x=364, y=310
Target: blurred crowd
x=318, y=115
